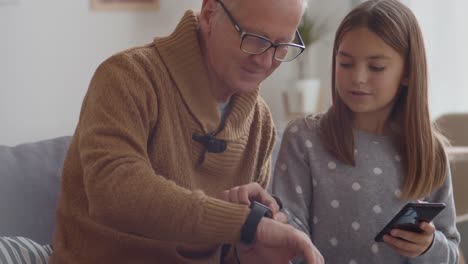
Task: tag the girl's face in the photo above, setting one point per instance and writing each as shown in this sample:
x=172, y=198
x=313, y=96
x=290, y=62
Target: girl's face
x=368, y=73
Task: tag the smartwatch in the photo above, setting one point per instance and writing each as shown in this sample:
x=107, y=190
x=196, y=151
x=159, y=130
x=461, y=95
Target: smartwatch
x=278, y=201
x=249, y=229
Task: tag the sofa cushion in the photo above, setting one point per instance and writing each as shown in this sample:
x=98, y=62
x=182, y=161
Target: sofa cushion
x=19, y=250
x=29, y=187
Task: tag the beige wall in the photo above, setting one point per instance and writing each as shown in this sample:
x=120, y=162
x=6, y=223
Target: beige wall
x=50, y=49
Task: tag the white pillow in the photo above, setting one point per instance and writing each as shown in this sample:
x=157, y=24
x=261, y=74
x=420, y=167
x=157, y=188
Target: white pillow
x=20, y=250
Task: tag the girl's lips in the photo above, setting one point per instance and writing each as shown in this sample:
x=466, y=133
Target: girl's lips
x=359, y=93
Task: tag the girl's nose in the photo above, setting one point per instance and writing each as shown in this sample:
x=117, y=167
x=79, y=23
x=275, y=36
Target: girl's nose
x=360, y=75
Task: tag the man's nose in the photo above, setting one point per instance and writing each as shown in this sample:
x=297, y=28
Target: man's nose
x=265, y=60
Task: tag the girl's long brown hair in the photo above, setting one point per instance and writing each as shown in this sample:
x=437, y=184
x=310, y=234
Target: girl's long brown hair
x=421, y=146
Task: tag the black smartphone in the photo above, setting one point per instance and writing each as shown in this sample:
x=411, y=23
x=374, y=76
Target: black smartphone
x=410, y=216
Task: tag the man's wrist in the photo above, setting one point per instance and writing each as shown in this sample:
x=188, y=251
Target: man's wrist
x=249, y=229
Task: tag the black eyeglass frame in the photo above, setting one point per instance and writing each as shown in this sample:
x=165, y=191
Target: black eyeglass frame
x=244, y=34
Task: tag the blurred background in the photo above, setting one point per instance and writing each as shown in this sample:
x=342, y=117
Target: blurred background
x=50, y=49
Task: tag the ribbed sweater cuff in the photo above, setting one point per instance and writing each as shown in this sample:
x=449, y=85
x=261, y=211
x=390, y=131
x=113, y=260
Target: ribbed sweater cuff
x=222, y=220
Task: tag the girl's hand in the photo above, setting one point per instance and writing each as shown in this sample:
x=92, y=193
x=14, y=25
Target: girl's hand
x=411, y=244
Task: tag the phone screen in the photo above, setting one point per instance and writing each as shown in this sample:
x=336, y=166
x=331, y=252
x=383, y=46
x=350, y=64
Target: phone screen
x=410, y=217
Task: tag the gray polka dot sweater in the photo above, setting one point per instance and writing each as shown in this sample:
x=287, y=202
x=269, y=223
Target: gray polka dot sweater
x=342, y=207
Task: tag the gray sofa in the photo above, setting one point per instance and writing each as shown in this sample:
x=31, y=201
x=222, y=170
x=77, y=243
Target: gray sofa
x=29, y=188
x=30, y=185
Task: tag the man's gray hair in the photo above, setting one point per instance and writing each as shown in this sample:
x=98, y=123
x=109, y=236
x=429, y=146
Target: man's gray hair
x=305, y=3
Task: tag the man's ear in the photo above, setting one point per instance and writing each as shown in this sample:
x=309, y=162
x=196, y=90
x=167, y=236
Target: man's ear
x=207, y=15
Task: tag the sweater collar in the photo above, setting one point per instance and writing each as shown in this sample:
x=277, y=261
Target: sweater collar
x=181, y=53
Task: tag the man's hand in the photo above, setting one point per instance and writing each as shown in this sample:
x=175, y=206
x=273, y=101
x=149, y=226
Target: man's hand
x=278, y=243
x=411, y=244
x=248, y=193
x=275, y=241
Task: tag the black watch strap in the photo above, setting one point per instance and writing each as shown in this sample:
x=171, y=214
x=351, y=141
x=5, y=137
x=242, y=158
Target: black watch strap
x=249, y=229
x=278, y=201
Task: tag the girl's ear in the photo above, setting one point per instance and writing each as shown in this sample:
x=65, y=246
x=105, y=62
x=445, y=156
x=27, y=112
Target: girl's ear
x=405, y=78
x=207, y=15
x=405, y=81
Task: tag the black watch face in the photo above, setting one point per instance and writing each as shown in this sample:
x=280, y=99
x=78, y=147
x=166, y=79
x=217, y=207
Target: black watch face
x=268, y=212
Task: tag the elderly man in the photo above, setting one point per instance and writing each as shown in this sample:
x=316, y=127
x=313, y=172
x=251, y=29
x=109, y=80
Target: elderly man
x=173, y=147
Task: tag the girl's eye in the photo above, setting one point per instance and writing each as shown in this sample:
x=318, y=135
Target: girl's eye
x=346, y=65
x=376, y=69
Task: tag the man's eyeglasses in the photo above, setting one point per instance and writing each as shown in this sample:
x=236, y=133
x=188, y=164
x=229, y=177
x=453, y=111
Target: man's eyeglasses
x=256, y=44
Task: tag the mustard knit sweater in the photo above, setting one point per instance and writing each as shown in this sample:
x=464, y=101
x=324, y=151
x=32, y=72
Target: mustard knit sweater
x=136, y=187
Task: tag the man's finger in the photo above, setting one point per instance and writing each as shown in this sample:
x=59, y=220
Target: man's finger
x=263, y=197
x=225, y=196
x=233, y=197
x=255, y=192
x=312, y=255
x=282, y=217
x=307, y=249
x=243, y=195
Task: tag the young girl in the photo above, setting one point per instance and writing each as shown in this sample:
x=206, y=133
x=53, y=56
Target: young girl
x=344, y=174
